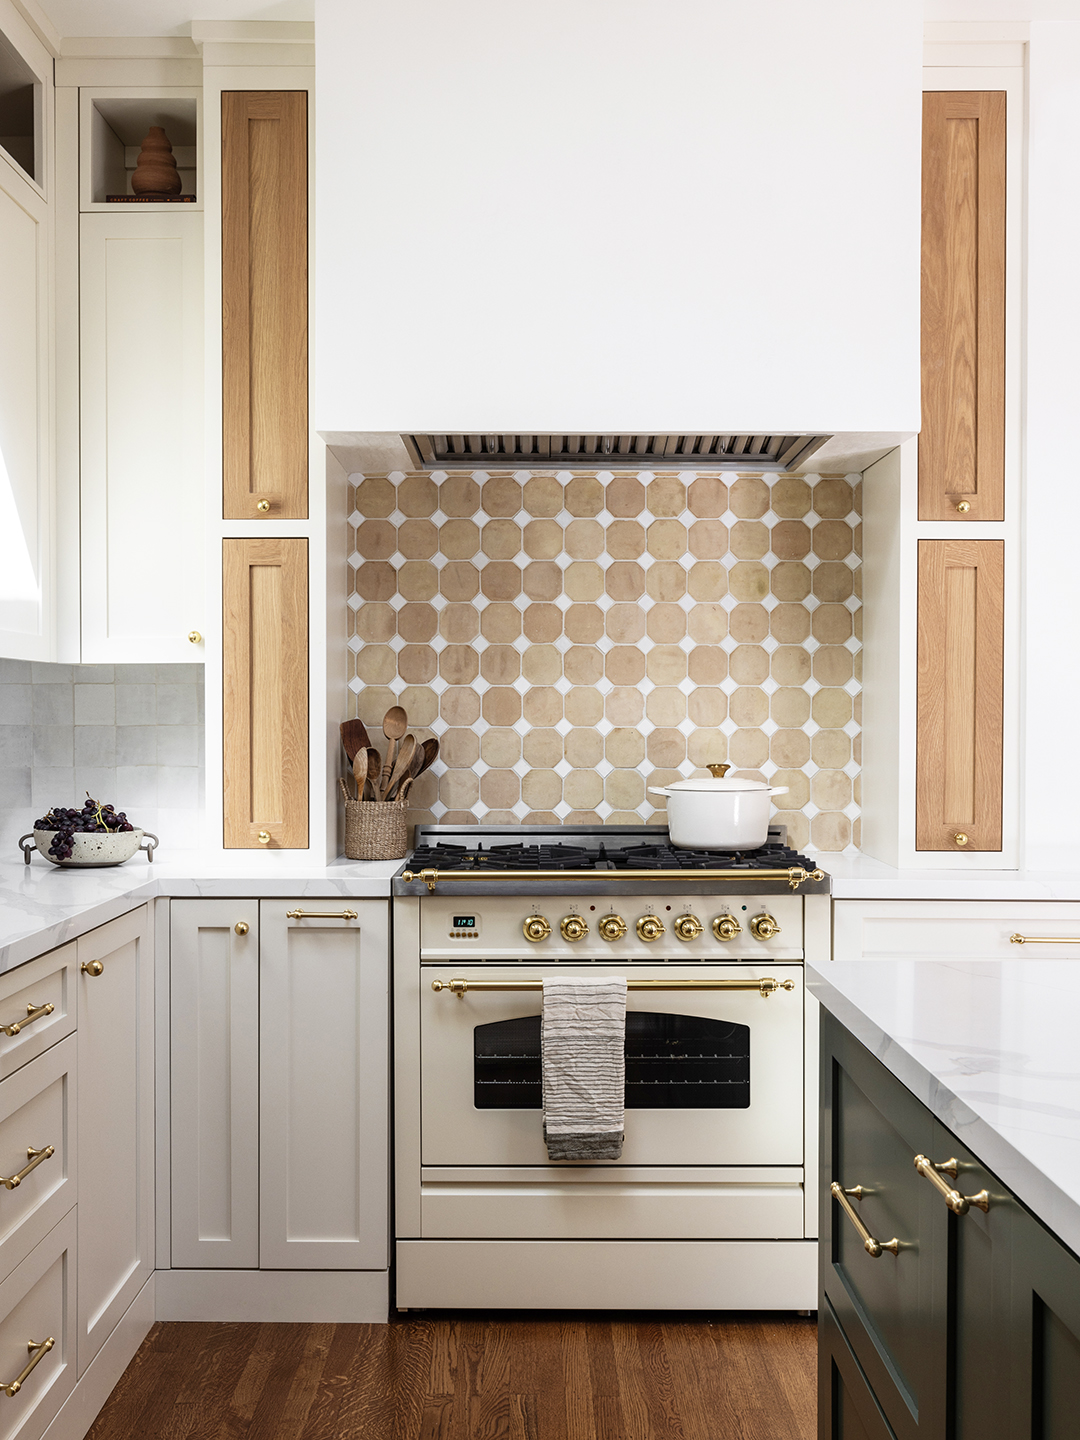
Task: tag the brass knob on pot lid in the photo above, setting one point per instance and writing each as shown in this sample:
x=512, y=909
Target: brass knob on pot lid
x=649, y=927
x=536, y=927
x=718, y=771
x=764, y=927
x=688, y=927
x=726, y=927
x=573, y=927
x=611, y=927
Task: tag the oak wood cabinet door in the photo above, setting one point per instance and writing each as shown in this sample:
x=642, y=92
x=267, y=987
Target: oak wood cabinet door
x=265, y=702
x=214, y=1010
x=962, y=442
x=116, y=1123
x=958, y=784
x=324, y=1027
x=264, y=304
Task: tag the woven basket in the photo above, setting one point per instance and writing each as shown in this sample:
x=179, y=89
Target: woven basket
x=375, y=830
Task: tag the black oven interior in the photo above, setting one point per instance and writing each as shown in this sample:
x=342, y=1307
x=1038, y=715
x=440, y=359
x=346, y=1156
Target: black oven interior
x=673, y=1062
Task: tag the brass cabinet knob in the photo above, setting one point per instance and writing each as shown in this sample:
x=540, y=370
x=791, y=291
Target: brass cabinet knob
x=688, y=927
x=195, y=637
x=726, y=927
x=960, y=838
x=536, y=927
x=263, y=837
x=573, y=927
x=93, y=968
x=649, y=927
x=764, y=927
x=241, y=927
x=963, y=506
x=263, y=506
x=612, y=927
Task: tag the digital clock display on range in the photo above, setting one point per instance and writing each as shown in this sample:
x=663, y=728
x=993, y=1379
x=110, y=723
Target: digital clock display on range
x=464, y=922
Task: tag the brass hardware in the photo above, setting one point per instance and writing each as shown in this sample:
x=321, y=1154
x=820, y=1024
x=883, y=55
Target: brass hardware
x=870, y=1245
x=688, y=927
x=650, y=927
x=718, y=771
x=726, y=927
x=93, y=968
x=960, y=838
x=573, y=927
x=194, y=637
x=241, y=927
x=963, y=506
x=764, y=927
x=765, y=987
x=612, y=927
x=34, y=1012
x=320, y=914
x=796, y=875
x=42, y=1347
x=263, y=837
x=957, y=1203
x=263, y=506
x=1044, y=939
x=536, y=927
x=35, y=1157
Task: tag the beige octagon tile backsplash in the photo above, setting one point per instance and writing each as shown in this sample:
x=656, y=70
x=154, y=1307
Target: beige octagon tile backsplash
x=574, y=638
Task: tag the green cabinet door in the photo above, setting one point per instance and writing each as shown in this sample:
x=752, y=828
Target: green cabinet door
x=1043, y=1334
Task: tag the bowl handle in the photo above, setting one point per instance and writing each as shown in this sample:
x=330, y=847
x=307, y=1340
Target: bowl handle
x=27, y=850
x=154, y=843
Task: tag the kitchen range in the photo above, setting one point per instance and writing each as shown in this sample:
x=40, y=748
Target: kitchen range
x=712, y=1201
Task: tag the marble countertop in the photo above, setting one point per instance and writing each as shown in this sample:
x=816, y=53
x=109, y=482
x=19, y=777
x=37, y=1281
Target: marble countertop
x=992, y=1047
x=859, y=877
x=44, y=905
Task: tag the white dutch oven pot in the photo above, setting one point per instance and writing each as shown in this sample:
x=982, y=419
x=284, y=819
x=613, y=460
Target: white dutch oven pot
x=719, y=813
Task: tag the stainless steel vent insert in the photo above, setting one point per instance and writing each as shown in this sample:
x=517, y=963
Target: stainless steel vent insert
x=611, y=452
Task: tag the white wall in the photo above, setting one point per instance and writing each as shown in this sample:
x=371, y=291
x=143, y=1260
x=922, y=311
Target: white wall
x=701, y=214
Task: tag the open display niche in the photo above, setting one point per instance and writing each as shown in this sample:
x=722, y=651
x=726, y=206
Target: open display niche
x=20, y=111
x=113, y=125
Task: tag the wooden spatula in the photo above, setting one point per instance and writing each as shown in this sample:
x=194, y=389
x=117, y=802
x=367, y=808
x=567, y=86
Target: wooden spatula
x=374, y=766
x=354, y=737
x=359, y=770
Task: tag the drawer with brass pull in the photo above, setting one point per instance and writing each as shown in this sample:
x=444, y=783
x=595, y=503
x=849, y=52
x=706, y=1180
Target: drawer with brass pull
x=37, y=1007
x=37, y=1334
x=37, y=1151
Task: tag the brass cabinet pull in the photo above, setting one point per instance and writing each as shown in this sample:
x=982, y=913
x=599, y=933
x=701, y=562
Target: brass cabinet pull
x=195, y=637
x=241, y=927
x=872, y=1247
x=957, y=1203
x=35, y=1157
x=33, y=1012
x=765, y=987
x=93, y=968
x=1044, y=939
x=42, y=1347
x=320, y=914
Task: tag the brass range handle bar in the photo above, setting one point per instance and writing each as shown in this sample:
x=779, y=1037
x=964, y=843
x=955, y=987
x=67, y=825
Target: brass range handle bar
x=33, y=1012
x=38, y=1349
x=1044, y=939
x=874, y=1248
x=320, y=914
x=795, y=875
x=36, y=1157
x=957, y=1203
x=764, y=988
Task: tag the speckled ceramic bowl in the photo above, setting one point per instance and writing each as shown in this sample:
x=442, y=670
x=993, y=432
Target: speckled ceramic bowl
x=112, y=848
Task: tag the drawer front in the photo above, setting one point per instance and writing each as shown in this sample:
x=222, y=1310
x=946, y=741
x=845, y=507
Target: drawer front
x=24, y=993
x=891, y=1306
x=37, y=1113
x=847, y=1407
x=37, y=1303
x=956, y=930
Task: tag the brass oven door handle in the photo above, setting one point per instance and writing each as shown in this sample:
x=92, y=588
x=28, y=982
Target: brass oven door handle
x=872, y=1247
x=1044, y=939
x=38, y=1349
x=957, y=1203
x=33, y=1012
x=765, y=987
x=36, y=1157
x=320, y=914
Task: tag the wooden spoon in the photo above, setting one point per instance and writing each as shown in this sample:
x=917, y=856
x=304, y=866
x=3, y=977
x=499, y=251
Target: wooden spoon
x=359, y=770
x=428, y=751
x=395, y=723
x=402, y=766
x=374, y=765
x=354, y=737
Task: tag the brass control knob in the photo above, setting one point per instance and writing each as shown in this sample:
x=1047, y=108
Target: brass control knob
x=726, y=927
x=241, y=927
x=573, y=927
x=263, y=506
x=612, y=927
x=93, y=968
x=536, y=927
x=649, y=927
x=688, y=927
x=764, y=927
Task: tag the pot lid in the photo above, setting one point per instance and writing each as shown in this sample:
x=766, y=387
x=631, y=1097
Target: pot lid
x=718, y=782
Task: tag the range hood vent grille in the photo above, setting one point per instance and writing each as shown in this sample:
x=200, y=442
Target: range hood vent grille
x=611, y=452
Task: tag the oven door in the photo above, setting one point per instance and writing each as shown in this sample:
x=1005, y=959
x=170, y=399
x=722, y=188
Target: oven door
x=714, y=1077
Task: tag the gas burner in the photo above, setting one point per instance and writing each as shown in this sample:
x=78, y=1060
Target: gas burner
x=509, y=857
x=670, y=857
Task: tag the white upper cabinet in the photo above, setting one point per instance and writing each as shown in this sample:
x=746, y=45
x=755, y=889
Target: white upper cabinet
x=697, y=215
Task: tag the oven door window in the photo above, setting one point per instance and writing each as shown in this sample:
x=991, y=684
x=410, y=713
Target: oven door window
x=673, y=1062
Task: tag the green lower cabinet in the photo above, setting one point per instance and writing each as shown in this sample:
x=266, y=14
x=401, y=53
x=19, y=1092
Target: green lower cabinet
x=947, y=1312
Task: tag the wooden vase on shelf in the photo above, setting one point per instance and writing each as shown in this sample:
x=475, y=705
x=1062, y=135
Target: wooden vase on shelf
x=155, y=170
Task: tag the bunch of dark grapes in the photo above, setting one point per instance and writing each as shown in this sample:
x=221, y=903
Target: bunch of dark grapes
x=93, y=818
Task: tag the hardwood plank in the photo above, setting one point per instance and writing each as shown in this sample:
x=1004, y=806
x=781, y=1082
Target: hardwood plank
x=577, y=1382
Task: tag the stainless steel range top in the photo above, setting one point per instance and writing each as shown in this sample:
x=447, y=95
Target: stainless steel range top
x=596, y=860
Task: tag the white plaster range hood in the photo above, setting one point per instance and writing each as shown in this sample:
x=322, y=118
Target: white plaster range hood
x=590, y=222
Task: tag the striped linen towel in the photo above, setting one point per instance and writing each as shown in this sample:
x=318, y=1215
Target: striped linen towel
x=583, y=1044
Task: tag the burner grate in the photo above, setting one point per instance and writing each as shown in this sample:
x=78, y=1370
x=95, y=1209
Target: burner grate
x=671, y=857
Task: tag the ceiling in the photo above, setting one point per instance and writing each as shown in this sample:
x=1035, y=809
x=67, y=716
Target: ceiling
x=163, y=17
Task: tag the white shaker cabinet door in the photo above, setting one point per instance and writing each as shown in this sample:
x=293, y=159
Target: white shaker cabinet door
x=324, y=1022
x=115, y=1124
x=215, y=1083
x=141, y=299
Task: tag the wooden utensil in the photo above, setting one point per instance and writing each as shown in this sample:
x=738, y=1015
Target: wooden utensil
x=359, y=770
x=395, y=723
x=354, y=737
x=401, y=766
x=428, y=750
x=374, y=765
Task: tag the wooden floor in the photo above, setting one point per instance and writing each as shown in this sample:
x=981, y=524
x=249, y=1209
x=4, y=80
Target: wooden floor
x=472, y=1377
